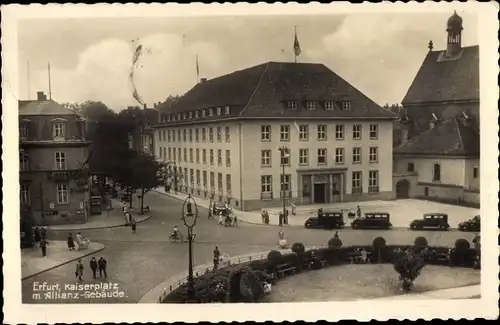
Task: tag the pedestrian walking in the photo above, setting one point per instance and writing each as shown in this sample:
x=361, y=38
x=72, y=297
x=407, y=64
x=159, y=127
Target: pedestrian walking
x=43, y=246
x=216, y=257
x=43, y=233
x=38, y=237
x=79, y=270
x=281, y=216
x=93, y=267
x=358, y=212
x=134, y=226
x=294, y=208
x=102, y=267
x=71, y=242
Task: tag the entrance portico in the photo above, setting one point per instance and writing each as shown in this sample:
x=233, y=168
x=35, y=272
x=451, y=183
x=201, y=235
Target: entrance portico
x=318, y=186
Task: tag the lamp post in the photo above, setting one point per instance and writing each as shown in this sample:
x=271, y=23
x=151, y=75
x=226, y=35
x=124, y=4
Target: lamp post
x=189, y=216
x=285, y=153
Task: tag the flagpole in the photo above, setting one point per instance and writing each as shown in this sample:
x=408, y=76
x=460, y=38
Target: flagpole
x=295, y=37
x=50, y=87
x=197, y=70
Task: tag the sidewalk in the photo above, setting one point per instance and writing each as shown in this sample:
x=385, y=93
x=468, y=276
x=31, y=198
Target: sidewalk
x=108, y=219
x=33, y=263
x=467, y=292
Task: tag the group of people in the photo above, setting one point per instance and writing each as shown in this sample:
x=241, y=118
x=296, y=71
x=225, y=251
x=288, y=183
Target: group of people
x=224, y=214
x=95, y=265
x=81, y=241
x=40, y=235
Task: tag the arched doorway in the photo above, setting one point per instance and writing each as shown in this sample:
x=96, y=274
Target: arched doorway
x=402, y=189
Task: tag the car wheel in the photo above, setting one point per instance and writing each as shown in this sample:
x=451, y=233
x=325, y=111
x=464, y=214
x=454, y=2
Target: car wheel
x=308, y=225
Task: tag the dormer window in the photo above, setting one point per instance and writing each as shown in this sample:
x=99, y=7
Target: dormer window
x=219, y=111
x=197, y=114
x=23, y=130
x=292, y=104
x=203, y=113
x=311, y=106
x=190, y=114
x=173, y=118
x=168, y=118
x=226, y=110
x=59, y=131
x=179, y=117
x=24, y=163
x=183, y=116
x=210, y=112
x=346, y=106
x=329, y=106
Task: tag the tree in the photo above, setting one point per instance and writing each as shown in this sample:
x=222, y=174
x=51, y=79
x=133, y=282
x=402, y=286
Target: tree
x=408, y=265
x=461, y=248
x=378, y=244
x=420, y=243
x=298, y=248
x=335, y=242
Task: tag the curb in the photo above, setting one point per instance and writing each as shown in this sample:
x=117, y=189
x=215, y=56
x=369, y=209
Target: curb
x=96, y=228
x=64, y=263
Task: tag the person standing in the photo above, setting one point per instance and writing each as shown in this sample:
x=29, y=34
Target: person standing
x=38, y=237
x=102, y=267
x=93, y=267
x=281, y=217
x=71, y=242
x=216, y=257
x=358, y=212
x=134, y=226
x=43, y=246
x=294, y=208
x=43, y=233
x=79, y=270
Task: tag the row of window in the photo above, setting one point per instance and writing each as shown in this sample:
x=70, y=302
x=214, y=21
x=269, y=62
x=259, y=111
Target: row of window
x=174, y=154
x=58, y=130
x=321, y=156
x=312, y=105
x=59, y=158
x=436, y=171
x=266, y=182
x=187, y=135
x=62, y=194
x=321, y=132
x=200, y=178
x=197, y=114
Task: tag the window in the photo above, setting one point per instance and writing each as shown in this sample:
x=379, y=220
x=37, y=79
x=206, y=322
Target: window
x=58, y=130
x=24, y=194
x=356, y=155
x=284, y=132
x=436, y=173
x=321, y=132
x=329, y=106
x=212, y=180
x=292, y=104
x=211, y=156
x=339, y=155
x=356, y=132
x=197, y=135
x=197, y=114
x=373, y=181
x=24, y=163
x=62, y=194
x=184, y=132
x=228, y=183
x=190, y=135
x=179, y=154
x=373, y=155
x=303, y=132
x=190, y=115
x=266, y=185
x=265, y=133
x=210, y=112
x=303, y=156
x=175, y=157
x=226, y=111
x=219, y=134
x=203, y=113
x=219, y=181
x=228, y=158
x=285, y=158
x=183, y=116
x=286, y=181
x=173, y=118
x=179, y=135
x=23, y=130
x=191, y=155
x=219, y=157
x=173, y=135
x=205, y=179
x=191, y=177
x=168, y=134
x=475, y=172
x=197, y=156
x=204, y=135
x=60, y=160
x=169, y=152
x=357, y=185
x=346, y=106
x=311, y=106
x=339, y=132
x=219, y=110
x=228, y=134
x=373, y=131
x=198, y=180
x=321, y=156
x=204, y=156
x=265, y=158
x=211, y=134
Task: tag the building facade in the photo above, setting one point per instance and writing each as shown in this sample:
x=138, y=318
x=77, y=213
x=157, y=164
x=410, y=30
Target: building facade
x=439, y=156
x=54, y=183
x=223, y=139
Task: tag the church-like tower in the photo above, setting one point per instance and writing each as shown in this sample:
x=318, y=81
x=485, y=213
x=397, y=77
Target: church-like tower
x=454, y=29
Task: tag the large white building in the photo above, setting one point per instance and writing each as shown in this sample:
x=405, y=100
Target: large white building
x=223, y=138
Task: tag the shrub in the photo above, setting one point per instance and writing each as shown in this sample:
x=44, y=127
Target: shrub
x=421, y=242
x=274, y=257
x=461, y=245
x=298, y=248
x=378, y=244
x=334, y=242
x=408, y=265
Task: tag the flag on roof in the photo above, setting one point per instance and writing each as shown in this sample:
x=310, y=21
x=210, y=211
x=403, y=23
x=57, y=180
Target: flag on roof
x=296, y=44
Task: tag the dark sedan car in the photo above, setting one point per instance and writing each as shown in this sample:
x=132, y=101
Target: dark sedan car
x=473, y=224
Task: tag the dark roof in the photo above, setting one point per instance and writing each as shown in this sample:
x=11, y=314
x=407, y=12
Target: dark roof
x=452, y=137
x=152, y=115
x=440, y=80
x=265, y=89
x=43, y=107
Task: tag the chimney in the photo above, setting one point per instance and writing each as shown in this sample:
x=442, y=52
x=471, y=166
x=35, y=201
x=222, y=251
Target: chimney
x=203, y=80
x=145, y=106
x=154, y=105
x=40, y=95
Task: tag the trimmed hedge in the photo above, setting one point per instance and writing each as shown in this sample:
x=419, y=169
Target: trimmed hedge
x=213, y=287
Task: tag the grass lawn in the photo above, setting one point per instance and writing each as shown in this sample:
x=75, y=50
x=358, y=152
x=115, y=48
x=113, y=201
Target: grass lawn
x=358, y=282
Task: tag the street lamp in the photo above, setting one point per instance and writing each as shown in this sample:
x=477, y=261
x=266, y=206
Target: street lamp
x=285, y=153
x=189, y=216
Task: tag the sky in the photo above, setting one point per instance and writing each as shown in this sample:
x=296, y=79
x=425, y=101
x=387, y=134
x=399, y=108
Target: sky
x=91, y=58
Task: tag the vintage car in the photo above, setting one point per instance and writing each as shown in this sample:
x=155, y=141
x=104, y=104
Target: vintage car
x=431, y=221
x=473, y=224
x=325, y=220
x=373, y=220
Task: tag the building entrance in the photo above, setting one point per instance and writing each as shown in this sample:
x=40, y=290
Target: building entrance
x=320, y=193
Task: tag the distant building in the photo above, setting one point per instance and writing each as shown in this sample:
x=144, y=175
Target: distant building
x=142, y=137
x=54, y=187
x=222, y=137
x=439, y=156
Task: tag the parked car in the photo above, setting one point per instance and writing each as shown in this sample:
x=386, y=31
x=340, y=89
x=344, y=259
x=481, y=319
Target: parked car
x=473, y=224
x=326, y=220
x=431, y=221
x=373, y=220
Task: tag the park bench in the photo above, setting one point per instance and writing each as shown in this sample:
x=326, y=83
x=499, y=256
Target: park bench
x=310, y=264
x=356, y=258
x=145, y=209
x=284, y=269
